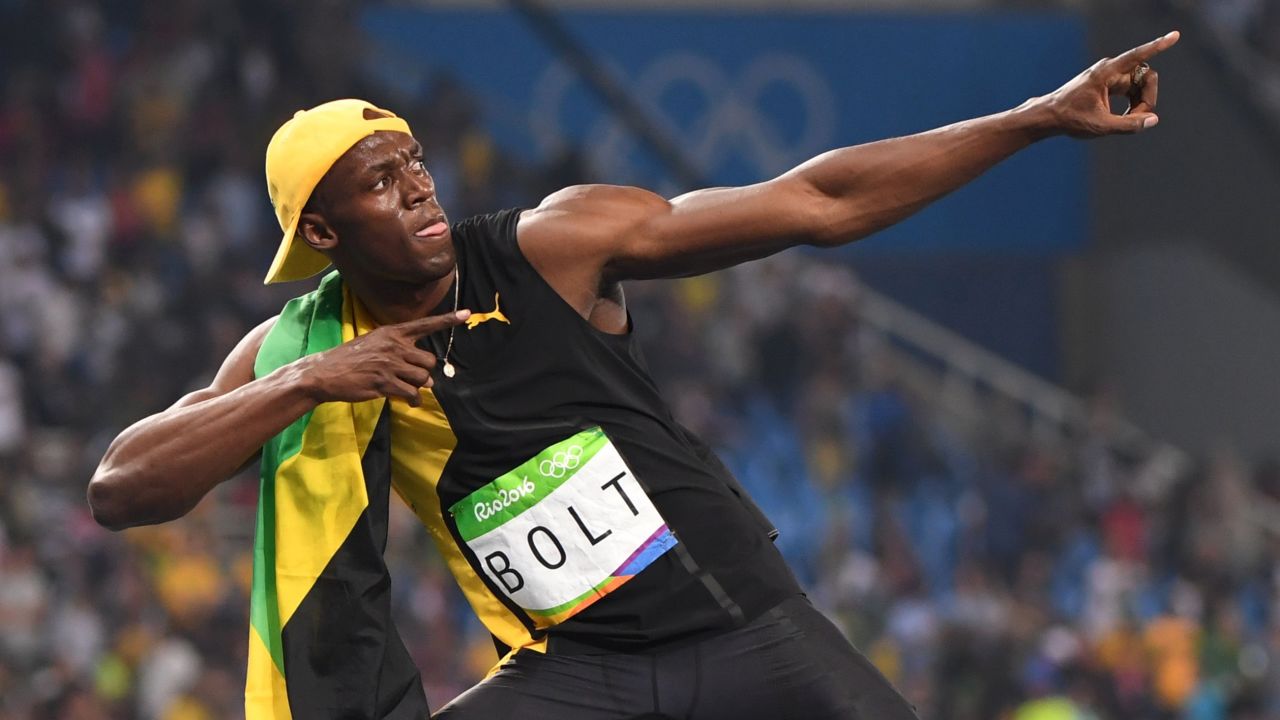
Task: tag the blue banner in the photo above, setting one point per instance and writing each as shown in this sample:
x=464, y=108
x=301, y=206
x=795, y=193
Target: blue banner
x=748, y=95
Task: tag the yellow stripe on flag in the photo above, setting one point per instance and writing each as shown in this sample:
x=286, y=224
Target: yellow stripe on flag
x=421, y=443
x=265, y=695
x=320, y=492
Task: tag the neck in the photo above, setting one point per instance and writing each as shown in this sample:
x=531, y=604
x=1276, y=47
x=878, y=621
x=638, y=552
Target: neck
x=391, y=302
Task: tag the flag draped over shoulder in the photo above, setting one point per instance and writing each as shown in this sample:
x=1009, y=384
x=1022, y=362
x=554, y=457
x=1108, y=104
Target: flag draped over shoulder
x=321, y=640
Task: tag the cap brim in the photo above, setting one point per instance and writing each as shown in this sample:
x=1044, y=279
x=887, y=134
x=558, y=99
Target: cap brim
x=295, y=260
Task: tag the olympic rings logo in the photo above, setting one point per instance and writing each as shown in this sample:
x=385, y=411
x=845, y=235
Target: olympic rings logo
x=562, y=462
x=744, y=117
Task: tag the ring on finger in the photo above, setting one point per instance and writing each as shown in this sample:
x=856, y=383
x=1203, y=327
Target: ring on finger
x=1138, y=78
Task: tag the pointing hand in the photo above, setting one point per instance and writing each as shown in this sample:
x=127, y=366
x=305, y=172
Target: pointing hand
x=1082, y=107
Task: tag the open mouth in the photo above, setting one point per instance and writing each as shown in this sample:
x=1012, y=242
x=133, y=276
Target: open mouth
x=435, y=229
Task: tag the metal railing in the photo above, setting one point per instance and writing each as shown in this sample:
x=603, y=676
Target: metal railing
x=1164, y=464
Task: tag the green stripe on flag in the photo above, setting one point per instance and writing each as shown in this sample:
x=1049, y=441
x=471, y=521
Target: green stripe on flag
x=308, y=324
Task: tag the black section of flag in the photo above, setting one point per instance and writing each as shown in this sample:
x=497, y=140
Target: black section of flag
x=343, y=657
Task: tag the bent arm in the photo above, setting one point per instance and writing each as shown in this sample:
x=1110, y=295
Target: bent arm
x=161, y=466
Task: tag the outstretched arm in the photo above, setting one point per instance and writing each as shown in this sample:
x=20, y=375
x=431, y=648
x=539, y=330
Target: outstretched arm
x=583, y=237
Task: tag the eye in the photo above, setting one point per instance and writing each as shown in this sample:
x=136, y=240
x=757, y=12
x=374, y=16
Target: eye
x=418, y=166
x=382, y=183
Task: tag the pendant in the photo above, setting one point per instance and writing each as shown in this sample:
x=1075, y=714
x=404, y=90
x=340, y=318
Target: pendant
x=448, y=369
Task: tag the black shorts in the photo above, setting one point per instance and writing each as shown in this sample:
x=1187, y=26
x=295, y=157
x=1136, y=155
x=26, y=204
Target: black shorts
x=790, y=663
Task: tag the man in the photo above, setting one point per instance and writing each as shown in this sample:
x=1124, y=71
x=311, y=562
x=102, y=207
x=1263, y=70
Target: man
x=601, y=543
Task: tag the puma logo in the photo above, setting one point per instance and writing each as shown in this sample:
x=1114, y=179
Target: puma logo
x=477, y=318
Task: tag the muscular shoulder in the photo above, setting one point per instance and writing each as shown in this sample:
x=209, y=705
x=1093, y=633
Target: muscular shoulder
x=620, y=202
x=573, y=235
x=587, y=224
x=586, y=196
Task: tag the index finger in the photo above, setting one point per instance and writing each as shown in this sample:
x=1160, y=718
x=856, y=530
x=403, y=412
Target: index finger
x=1131, y=59
x=432, y=323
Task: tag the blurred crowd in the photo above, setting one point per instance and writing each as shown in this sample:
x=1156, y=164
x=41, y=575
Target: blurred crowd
x=1249, y=33
x=990, y=565
x=135, y=233
x=1255, y=22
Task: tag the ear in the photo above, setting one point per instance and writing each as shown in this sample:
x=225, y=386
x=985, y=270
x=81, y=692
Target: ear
x=316, y=231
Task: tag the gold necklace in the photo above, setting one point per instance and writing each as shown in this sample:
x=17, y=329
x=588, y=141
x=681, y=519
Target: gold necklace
x=449, y=370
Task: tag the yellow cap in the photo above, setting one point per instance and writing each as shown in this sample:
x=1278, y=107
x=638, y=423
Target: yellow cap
x=298, y=156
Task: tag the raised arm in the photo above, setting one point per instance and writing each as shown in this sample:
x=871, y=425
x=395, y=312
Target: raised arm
x=592, y=235
x=160, y=467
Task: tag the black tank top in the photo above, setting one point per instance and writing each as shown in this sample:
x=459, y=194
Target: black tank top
x=536, y=383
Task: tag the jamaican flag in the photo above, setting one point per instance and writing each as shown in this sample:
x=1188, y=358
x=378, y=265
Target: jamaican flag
x=321, y=641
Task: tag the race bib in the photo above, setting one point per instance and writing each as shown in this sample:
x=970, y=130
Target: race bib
x=564, y=529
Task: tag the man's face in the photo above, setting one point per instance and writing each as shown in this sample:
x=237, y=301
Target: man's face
x=379, y=202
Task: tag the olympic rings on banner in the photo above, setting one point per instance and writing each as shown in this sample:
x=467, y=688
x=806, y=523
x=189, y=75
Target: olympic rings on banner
x=738, y=117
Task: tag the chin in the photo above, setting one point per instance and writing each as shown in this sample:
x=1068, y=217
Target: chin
x=426, y=270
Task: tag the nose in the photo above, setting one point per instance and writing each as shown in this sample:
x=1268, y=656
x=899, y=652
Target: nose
x=418, y=188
